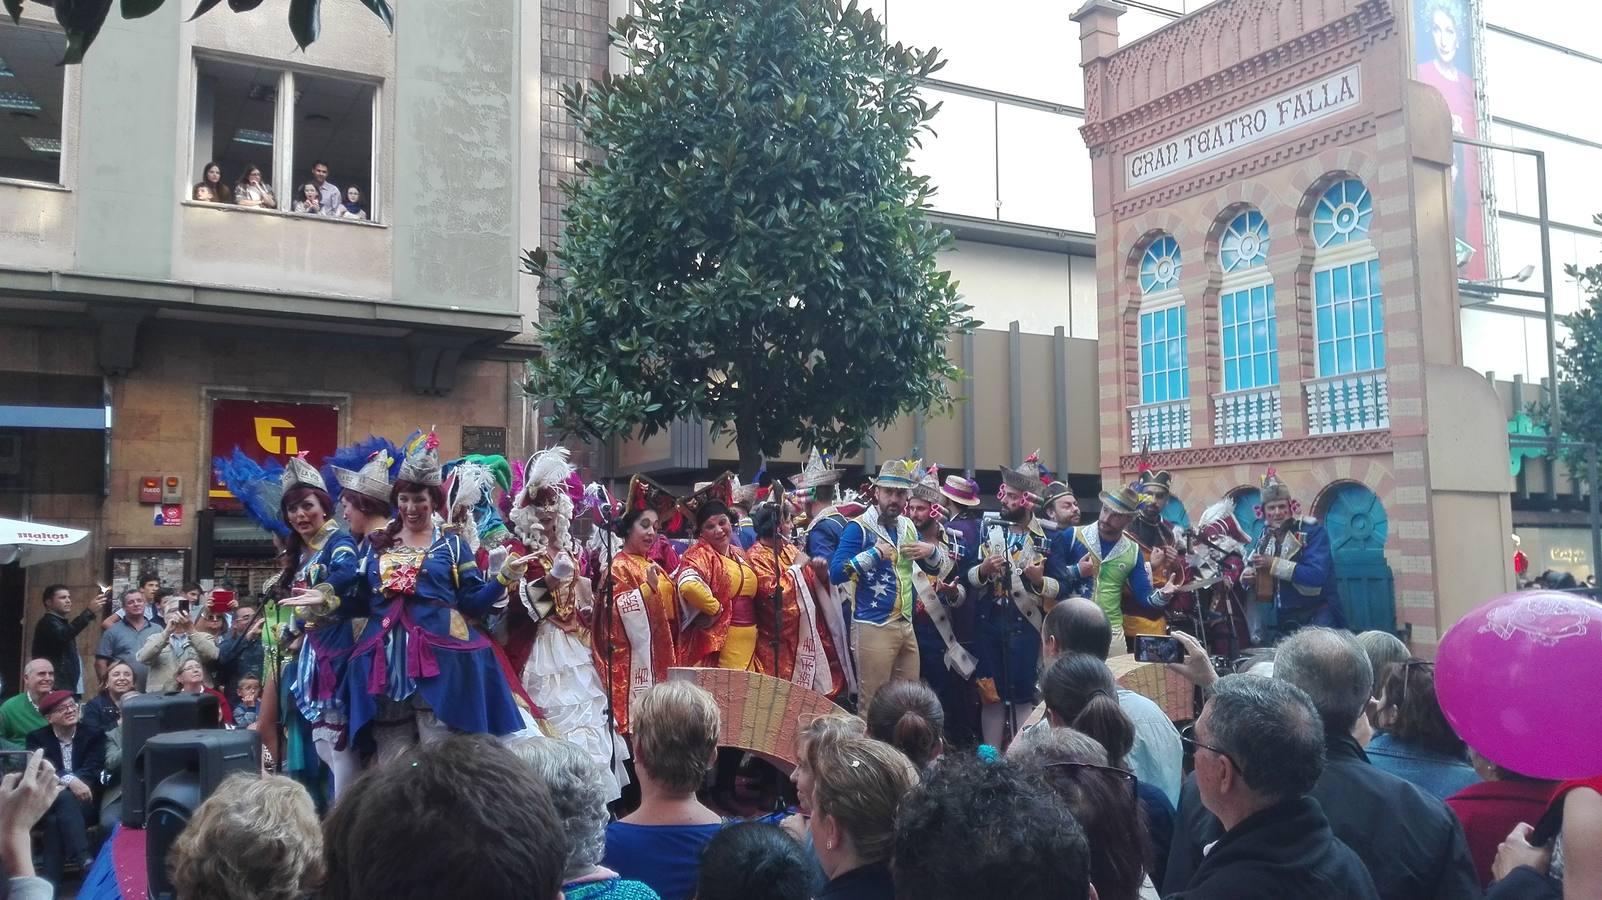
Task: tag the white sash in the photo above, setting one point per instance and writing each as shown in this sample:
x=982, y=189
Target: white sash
x=957, y=658
x=1023, y=598
x=630, y=608
x=833, y=605
x=811, y=667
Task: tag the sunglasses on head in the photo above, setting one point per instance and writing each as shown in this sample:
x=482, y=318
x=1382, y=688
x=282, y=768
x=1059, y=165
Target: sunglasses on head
x=1126, y=779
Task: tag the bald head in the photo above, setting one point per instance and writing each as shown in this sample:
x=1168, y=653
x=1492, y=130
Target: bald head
x=1077, y=625
x=1331, y=667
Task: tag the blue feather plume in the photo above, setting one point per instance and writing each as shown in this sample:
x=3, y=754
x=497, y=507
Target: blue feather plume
x=256, y=486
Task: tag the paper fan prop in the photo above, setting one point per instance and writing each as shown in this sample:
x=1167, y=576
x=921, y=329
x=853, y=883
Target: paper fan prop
x=1157, y=683
x=760, y=714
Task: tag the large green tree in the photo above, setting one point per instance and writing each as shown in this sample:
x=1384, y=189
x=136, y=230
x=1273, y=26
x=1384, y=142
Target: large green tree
x=753, y=251
x=1580, y=365
x=81, y=19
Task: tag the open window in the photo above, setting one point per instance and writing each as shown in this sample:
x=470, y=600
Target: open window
x=287, y=125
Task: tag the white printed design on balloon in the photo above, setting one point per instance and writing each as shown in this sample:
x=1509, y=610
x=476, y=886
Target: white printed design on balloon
x=1546, y=620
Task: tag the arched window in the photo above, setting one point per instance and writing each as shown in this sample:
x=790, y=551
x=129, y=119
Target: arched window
x=1162, y=324
x=1349, y=311
x=1161, y=421
x=1350, y=391
x=1246, y=305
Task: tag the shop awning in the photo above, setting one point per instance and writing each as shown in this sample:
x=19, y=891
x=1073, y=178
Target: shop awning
x=31, y=543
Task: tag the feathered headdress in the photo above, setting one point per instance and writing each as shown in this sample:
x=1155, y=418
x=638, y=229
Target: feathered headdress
x=257, y=487
x=470, y=497
x=420, y=464
x=546, y=470
x=367, y=467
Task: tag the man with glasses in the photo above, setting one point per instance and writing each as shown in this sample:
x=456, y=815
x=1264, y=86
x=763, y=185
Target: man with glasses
x=1259, y=751
x=1411, y=843
x=78, y=753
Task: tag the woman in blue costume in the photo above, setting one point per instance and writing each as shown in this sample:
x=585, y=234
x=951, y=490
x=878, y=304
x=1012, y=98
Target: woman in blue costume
x=419, y=671
x=305, y=620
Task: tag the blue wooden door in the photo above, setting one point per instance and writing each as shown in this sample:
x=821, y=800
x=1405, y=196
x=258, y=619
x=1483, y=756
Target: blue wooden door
x=1358, y=527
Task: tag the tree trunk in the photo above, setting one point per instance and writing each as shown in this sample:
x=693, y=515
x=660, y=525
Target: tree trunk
x=750, y=456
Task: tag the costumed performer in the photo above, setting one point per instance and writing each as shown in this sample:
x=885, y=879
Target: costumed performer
x=471, y=484
x=878, y=552
x=1101, y=561
x=561, y=675
x=742, y=498
x=717, y=586
x=308, y=632
x=1013, y=593
x=419, y=670
x=634, y=638
x=1294, y=553
x=1159, y=544
x=943, y=662
x=825, y=522
x=791, y=640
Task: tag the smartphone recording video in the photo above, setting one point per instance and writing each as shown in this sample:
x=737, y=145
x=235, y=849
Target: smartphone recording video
x=1158, y=649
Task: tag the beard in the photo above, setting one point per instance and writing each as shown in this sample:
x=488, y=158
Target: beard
x=1017, y=515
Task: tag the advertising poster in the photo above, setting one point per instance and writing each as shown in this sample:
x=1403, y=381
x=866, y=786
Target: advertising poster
x=1445, y=38
x=269, y=430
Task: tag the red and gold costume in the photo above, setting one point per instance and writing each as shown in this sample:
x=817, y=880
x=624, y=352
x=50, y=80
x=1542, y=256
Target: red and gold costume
x=640, y=634
x=805, y=652
x=719, y=592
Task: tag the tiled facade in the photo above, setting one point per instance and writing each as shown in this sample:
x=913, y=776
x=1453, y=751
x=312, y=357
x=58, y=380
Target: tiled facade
x=1394, y=138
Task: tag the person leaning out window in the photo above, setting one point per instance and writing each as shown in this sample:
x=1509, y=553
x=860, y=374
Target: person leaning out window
x=352, y=207
x=253, y=191
x=211, y=177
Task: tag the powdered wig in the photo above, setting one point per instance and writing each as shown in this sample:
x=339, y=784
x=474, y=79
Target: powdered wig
x=255, y=838
x=578, y=790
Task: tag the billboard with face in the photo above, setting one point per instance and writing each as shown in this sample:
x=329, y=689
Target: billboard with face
x=1445, y=38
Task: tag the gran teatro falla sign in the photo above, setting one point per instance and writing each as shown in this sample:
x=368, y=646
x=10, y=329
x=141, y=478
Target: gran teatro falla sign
x=1278, y=114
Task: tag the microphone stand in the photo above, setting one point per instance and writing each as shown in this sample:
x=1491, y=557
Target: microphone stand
x=604, y=519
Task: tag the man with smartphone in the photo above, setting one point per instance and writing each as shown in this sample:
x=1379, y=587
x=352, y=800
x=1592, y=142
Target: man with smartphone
x=56, y=637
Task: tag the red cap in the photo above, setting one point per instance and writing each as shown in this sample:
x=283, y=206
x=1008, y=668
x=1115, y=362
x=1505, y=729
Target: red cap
x=52, y=700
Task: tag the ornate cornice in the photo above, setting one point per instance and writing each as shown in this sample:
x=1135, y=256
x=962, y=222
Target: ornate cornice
x=1258, y=452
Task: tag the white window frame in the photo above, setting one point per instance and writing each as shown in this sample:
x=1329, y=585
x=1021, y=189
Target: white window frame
x=284, y=135
x=1161, y=301
x=70, y=83
x=1342, y=256
x=1256, y=276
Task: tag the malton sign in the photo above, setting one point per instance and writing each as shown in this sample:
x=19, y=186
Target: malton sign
x=1292, y=109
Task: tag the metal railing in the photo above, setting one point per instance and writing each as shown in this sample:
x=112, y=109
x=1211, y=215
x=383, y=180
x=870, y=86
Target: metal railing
x=1160, y=426
x=1241, y=417
x=1344, y=403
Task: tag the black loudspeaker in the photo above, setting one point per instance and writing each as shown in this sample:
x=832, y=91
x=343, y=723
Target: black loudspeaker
x=182, y=768
x=144, y=717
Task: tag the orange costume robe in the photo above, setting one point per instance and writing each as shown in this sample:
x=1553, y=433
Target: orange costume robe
x=802, y=632
x=715, y=600
x=640, y=634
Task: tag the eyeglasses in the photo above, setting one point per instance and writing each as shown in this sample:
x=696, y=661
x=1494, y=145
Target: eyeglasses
x=1188, y=735
x=1407, y=676
x=1124, y=778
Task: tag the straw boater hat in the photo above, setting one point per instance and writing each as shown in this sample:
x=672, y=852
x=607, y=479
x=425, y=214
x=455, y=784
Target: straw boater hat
x=960, y=490
x=1124, y=502
x=1026, y=477
x=899, y=473
x=818, y=472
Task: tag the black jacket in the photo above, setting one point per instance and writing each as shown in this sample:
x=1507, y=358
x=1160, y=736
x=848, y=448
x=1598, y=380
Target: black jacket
x=1410, y=841
x=88, y=752
x=236, y=658
x=55, y=639
x=1285, y=852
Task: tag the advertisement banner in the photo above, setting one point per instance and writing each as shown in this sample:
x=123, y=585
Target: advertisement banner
x=1445, y=51
x=269, y=430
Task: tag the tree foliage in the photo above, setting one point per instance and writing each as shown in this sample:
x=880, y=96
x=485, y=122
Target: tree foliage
x=1580, y=365
x=753, y=251
x=82, y=19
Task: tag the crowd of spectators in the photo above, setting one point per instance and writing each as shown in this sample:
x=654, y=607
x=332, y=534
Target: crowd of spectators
x=316, y=196
x=1326, y=769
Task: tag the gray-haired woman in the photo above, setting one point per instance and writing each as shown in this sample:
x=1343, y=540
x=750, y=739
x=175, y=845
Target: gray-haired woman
x=579, y=789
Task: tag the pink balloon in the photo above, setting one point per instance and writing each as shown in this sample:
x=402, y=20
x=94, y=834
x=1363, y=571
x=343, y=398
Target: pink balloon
x=1518, y=680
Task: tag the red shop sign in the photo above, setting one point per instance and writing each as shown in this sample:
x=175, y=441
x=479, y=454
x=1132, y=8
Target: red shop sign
x=269, y=430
